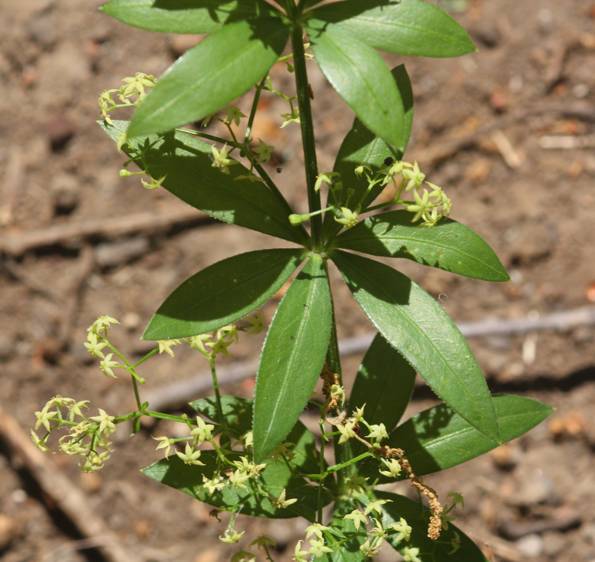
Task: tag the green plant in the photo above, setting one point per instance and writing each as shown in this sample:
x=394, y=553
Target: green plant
x=256, y=457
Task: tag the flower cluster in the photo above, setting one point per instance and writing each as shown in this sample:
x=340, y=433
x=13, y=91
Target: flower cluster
x=430, y=203
x=350, y=428
x=97, y=341
x=132, y=90
x=85, y=436
x=317, y=544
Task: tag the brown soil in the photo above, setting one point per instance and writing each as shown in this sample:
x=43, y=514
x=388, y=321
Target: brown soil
x=535, y=206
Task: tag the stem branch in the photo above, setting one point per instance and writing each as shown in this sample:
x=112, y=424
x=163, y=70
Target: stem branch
x=308, y=141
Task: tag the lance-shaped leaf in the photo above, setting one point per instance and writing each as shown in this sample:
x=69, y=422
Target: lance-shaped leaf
x=362, y=79
x=452, y=545
x=439, y=438
x=222, y=293
x=292, y=357
x=281, y=473
x=182, y=16
x=219, y=69
x=417, y=326
x=449, y=245
x=406, y=27
x=384, y=384
x=184, y=162
x=362, y=148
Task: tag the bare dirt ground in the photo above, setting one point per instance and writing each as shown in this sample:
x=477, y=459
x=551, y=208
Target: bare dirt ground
x=533, y=77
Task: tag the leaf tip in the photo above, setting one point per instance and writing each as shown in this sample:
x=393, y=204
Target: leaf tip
x=151, y=332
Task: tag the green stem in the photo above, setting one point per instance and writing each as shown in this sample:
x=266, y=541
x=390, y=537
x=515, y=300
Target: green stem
x=320, y=468
x=146, y=357
x=168, y=417
x=308, y=141
x=253, y=109
x=333, y=358
x=135, y=389
x=215, y=382
x=350, y=462
x=127, y=365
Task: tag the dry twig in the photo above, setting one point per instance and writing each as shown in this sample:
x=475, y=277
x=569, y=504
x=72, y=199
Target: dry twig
x=18, y=243
x=443, y=149
x=175, y=394
x=61, y=492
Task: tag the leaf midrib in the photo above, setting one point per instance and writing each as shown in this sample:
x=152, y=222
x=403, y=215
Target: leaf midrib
x=411, y=322
x=312, y=290
x=212, y=77
x=422, y=241
x=368, y=20
x=258, y=274
x=363, y=78
x=438, y=441
x=242, y=193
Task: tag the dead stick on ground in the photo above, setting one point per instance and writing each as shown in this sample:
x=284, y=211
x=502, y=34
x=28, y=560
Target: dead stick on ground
x=62, y=493
x=18, y=243
x=71, y=314
x=446, y=148
x=176, y=394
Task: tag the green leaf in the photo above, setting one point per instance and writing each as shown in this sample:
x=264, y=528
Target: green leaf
x=281, y=473
x=417, y=326
x=185, y=163
x=215, y=72
x=439, y=438
x=384, y=383
x=442, y=550
x=406, y=27
x=449, y=245
x=361, y=147
x=292, y=357
x=237, y=412
x=181, y=16
x=363, y=80
x=222, y=293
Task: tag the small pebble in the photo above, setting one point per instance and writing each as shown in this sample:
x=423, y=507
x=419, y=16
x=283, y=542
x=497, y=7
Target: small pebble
x=9, y=531
x=91, y=482
x=66, y=193
x=18, y=496
x=506, y=457
x=531, y=546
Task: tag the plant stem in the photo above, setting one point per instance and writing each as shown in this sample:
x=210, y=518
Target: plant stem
x=333, y=359
x=253, y=109
x=146, y=357
x=308, y=141
x=127, y=365
x=341, y=466
x=215, y=381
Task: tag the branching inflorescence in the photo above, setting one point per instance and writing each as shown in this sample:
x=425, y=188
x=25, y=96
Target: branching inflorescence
x=256, y=457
